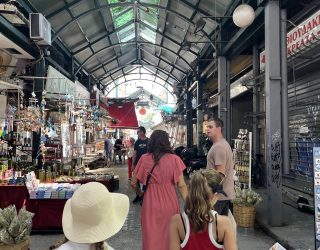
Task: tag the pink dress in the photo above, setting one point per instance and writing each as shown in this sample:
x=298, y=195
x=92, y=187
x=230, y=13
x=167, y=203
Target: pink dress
x=160, y=201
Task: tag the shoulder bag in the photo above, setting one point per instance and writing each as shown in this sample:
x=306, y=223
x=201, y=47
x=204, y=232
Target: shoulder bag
x=144, y=189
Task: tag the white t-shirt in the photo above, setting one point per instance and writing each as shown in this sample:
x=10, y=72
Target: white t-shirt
x=80, y=246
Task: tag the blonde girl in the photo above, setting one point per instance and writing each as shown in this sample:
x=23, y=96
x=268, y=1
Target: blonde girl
x=200, y=227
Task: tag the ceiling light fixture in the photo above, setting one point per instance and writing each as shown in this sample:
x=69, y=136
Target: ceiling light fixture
x=243, y=16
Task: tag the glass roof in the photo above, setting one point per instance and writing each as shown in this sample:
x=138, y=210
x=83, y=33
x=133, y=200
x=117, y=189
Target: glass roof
x=126, y=85
x=147, y=16
x=89, y=28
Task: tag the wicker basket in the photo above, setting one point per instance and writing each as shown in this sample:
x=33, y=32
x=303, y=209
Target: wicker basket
x=244, y=216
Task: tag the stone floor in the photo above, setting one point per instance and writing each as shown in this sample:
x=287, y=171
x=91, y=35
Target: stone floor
x=130, y=235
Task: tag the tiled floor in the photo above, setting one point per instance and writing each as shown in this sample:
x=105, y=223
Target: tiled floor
x=130, y=235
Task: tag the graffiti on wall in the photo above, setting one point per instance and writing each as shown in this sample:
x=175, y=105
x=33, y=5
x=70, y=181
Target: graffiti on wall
x=276, y=159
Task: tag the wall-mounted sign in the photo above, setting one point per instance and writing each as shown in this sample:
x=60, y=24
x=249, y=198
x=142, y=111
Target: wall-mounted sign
x=300, y=37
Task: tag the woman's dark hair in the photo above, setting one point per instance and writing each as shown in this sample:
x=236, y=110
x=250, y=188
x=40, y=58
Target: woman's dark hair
x=159, y=144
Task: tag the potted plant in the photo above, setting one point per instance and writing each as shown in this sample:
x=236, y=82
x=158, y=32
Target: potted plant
x=15, y=228
x=244, y=207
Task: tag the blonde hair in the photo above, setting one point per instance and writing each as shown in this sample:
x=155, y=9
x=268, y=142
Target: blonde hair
x=97, y=246
x=199, y=201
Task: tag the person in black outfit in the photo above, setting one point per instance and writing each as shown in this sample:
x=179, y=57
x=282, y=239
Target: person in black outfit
x=140, y=148
x=118, y=145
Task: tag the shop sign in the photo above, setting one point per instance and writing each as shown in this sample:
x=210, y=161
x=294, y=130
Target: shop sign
x=300, y=37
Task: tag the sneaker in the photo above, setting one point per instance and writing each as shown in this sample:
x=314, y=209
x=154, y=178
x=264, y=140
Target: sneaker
x=136, y=200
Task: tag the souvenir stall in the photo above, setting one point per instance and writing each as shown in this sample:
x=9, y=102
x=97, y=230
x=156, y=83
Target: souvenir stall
x=65, y=123
x=13, y=149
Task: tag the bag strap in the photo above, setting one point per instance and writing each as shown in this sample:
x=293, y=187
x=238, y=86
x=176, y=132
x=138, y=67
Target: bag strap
x=149, y=176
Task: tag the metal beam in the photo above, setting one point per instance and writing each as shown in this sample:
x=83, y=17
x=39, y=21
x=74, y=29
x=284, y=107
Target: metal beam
x=273, y=113
x=189, y=112
x=159, y=76
x=97, y=3
x=165, y=36
x=92, y=70
x=167, y=62
x=140, y=74
x=124, y=26
x=255, y=102
x=116, y=85
x=101, y=38
x=107, y=6
x=196, y=8
x=40, y=71
x=164, y=30
x=136, y=31
x=20, y=39
x=224, y=95
x=284, y=93
x=138, y=65
x=63, y=8
x=199, y=113
x=129, y=43
x=117, y=69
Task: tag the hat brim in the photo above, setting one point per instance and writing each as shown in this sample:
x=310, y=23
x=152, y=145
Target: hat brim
x=112, y=223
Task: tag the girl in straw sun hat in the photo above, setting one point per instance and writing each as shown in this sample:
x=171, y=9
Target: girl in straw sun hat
x=91, y=216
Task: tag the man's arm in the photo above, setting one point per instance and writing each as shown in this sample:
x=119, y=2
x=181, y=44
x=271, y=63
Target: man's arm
x=220, y=159
x=221, y=168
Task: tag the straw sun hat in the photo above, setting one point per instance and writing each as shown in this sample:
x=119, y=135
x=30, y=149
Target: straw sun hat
x=93, y=214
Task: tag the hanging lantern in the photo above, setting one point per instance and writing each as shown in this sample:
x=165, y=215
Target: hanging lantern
x=142, y=111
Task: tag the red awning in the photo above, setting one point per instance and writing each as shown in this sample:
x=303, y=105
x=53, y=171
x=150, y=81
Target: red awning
x=124, y=115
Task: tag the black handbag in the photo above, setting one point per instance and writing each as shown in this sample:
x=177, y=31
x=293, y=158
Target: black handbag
x=144, y=189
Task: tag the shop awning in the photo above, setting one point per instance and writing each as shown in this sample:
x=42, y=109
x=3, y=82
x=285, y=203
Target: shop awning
x=124, y=115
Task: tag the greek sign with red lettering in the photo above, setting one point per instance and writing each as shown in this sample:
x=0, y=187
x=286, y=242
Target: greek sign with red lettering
x=302, y=36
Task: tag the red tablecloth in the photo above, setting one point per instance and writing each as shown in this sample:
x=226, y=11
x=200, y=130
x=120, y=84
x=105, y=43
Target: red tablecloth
x=48, y=212
x=13, y=195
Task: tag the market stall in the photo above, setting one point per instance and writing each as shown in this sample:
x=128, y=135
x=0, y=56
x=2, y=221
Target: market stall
x=48, y=139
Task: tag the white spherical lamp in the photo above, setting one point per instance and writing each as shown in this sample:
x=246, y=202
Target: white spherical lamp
x=243, y=15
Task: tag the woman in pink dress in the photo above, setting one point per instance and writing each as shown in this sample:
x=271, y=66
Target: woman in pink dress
x=160, y=201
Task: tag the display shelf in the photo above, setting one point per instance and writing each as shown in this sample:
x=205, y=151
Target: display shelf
x=242, y=156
